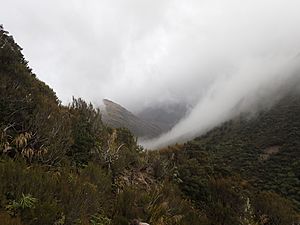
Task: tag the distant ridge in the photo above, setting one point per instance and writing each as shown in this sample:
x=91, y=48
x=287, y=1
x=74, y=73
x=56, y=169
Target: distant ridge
x=117, y=116
x=165, y=115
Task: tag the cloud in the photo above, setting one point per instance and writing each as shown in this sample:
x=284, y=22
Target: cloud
x=249, y=89
x=211, y=54
x=78, y=47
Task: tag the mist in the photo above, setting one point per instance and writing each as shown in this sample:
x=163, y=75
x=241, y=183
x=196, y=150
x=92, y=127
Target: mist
x=248, y=91
x=222, y=57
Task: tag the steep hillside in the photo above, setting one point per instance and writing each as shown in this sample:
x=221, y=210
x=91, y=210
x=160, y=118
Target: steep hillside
x=263, y=149
x=116, y=116
x=61, y=165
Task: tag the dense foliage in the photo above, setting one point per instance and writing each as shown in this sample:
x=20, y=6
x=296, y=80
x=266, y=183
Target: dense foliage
x=253, y=157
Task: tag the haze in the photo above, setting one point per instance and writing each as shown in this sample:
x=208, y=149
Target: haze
x=213, y=55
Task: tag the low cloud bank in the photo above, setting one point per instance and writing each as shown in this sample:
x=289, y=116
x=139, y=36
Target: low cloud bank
x=256, y=85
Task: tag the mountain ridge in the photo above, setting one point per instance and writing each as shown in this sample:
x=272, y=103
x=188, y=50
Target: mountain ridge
x=117, y=116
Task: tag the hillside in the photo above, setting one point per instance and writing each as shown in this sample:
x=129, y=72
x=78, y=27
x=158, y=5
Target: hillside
x=59, y=165
x=117, y=116
x=262, y=149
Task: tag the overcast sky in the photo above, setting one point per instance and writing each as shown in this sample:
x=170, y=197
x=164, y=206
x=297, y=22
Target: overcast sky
x=139, y=52
x=136, y=51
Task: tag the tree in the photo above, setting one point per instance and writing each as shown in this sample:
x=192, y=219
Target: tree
x=87, y=131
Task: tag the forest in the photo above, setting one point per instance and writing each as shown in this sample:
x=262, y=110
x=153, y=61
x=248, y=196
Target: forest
x=60, y=165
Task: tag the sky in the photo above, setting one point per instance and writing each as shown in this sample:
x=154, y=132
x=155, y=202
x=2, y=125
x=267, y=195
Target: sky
x=212, y=54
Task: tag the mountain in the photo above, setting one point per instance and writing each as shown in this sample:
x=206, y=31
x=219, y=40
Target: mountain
x=147, y=123
x=117, y=116
x=164, y=115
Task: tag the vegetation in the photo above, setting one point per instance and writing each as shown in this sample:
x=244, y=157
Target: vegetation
x=61, y=165
x=253, y=157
